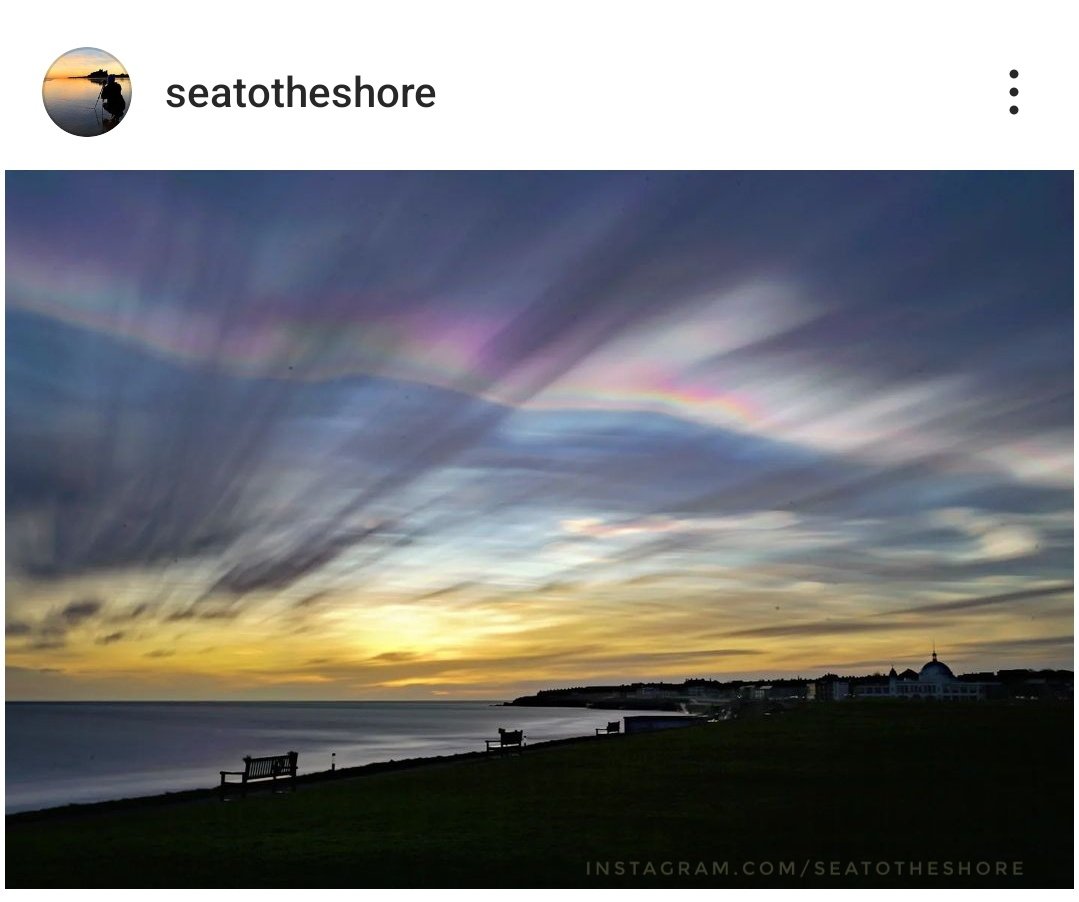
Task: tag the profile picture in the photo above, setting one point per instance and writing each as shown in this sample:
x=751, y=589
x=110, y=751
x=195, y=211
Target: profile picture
x=87, y=92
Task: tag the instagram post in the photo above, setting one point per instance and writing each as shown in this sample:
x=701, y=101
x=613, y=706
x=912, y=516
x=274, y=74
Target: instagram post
x=470, y=447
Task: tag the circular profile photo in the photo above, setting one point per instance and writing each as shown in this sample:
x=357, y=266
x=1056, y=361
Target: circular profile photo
x=87, y=92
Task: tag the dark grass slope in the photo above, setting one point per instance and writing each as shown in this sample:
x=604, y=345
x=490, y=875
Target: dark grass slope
x=847, y=782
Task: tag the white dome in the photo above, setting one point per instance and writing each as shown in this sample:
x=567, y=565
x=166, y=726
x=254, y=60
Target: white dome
x=936, y=672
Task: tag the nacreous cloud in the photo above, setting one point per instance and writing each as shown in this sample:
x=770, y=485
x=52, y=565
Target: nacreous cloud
x=443, y=423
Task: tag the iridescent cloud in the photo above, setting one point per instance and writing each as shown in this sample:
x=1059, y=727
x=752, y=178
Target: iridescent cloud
x=413, y=433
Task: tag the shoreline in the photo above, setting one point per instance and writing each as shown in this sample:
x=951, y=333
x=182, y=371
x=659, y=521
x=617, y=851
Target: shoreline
x=564, y=812
x=188, y=796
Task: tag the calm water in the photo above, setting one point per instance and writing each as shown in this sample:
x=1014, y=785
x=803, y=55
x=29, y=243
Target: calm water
x=62, y=752
x=72, y=104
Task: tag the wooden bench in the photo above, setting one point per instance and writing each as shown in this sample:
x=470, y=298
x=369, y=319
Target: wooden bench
x=507, y=739
x=615, y=726
x=269, y=768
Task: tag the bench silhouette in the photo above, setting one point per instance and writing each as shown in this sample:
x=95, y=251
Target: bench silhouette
x=615, y=726
x=268, y=768
x=507, y=739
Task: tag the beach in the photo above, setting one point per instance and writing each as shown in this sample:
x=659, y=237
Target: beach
x=897, y=783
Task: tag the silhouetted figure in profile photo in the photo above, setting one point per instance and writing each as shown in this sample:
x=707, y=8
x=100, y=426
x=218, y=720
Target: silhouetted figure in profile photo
x=112, y=98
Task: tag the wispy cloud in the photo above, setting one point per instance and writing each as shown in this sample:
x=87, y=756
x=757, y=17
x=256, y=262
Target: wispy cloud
x=965, y=604
x=446, y=415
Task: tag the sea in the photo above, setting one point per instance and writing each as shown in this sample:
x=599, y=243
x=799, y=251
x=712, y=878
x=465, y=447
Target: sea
x=63, y=752
x=72, y=103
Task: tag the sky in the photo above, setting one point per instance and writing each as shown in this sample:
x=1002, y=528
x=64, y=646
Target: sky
x=83, y=61
x=467, y=435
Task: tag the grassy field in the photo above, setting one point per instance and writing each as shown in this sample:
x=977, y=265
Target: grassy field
x=845, y=783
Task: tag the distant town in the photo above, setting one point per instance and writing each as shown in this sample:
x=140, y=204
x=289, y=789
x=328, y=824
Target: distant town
x=934, y=682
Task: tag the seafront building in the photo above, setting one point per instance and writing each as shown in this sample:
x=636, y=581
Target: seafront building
x=701, y=695
x=934, y=681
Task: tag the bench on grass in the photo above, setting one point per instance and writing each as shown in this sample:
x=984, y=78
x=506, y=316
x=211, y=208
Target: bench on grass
x=268, y=768
x=507, y=739
x=615, y=726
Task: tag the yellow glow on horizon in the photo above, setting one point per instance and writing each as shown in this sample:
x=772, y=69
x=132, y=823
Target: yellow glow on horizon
x=83, y=61
x=488, y=643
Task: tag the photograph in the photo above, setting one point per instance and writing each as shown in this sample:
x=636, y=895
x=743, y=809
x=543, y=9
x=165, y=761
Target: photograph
x=658, y=528
x=86, y=92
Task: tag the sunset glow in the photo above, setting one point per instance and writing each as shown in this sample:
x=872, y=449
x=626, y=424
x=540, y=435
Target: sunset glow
x=83, y=61
x=415, y=435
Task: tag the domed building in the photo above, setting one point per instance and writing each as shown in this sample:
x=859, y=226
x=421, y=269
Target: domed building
x=934, y=681
x=935, y=671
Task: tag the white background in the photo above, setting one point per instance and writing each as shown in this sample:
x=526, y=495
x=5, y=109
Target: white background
x=585, y=84
x=589, y=84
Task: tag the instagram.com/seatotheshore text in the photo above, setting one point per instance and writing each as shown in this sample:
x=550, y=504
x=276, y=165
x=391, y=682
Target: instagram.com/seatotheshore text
x=806, y=868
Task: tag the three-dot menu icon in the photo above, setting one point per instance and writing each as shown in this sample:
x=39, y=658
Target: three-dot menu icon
x=1014, y=92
